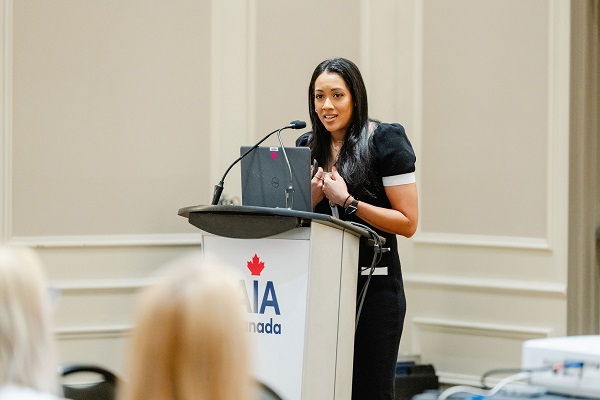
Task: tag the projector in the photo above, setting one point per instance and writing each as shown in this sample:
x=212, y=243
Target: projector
x=572, y=364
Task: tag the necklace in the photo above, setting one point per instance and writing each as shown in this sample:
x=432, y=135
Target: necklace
x=337, y=149
x=335, y=153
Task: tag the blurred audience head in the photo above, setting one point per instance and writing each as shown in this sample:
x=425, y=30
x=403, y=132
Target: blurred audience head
x=188, y=341
x=27, y=356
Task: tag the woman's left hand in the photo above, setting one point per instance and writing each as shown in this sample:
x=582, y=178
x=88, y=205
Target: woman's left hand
x=335, y=188
x=316, y=186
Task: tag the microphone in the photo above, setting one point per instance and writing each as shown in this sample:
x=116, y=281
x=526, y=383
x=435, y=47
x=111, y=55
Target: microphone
x=297, y=124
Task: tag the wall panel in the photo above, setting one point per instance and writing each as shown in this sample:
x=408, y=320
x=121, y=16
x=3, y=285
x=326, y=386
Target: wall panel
x=96, y=291
x=105, y=347
x=108, y=121
x=490, y=111
x=465, y=347
x=485, y=111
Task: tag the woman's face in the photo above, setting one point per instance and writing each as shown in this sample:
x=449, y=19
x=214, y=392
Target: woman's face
x=333, y=103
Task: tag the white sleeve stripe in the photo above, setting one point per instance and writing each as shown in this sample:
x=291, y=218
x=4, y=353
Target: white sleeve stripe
x=403, y=179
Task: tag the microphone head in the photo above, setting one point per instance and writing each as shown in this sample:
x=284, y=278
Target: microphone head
x=297, y=124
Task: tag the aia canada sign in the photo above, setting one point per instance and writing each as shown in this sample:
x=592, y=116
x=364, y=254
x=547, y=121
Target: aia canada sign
x=260, y=299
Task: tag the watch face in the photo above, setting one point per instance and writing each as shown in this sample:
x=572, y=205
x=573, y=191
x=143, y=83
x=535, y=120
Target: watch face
x=352, y=207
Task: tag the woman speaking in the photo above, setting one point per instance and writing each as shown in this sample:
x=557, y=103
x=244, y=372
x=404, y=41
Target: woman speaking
x=365, y=175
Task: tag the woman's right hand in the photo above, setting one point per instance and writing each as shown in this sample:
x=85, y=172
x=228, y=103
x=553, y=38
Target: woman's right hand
x=316, y=186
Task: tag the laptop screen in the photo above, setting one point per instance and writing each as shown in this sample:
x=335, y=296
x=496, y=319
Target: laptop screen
x=265, y=177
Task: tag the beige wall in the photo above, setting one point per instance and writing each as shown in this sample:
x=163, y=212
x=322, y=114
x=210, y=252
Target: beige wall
x=111, y=108
x=116, y=114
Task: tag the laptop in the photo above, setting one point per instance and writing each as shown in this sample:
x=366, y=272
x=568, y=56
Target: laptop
x=266, y=176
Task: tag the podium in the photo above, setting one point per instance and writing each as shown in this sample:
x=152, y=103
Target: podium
x=299, y=273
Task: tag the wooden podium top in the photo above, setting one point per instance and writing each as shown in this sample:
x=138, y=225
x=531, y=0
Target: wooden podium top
x=249, y=222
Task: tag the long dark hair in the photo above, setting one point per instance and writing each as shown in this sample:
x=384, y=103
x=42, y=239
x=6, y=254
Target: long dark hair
x=354, y=162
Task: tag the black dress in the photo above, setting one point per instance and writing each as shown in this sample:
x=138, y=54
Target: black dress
x=377, y=337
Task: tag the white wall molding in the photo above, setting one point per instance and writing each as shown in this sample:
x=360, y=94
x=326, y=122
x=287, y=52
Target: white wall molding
x=365, y=40
x=92, y=333
x=251, y=73
x=99, y=286
x=459, y=379
x=505, y=242
x=557, y=177
x=417, y=89
x=6, y=96
x=141, y=240
x=232, y=51
x=478, y=329
x=463, y=379
x=486, y=285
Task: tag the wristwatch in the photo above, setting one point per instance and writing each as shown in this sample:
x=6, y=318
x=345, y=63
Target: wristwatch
x=352, y=207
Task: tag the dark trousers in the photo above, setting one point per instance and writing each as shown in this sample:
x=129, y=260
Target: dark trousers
x=377, y=338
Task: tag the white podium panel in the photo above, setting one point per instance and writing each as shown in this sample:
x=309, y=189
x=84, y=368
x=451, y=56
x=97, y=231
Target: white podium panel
x=274, y=294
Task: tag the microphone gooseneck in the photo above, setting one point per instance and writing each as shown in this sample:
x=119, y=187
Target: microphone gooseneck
x=289, y=191
x=296, y=124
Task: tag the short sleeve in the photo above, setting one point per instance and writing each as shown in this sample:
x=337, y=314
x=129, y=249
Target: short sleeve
x=394, y=156
x=303, y=139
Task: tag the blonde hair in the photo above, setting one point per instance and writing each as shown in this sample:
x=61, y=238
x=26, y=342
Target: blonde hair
x=27, y=356
x=189, y=342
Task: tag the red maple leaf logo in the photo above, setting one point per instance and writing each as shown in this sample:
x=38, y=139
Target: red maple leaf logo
x=256, y=266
